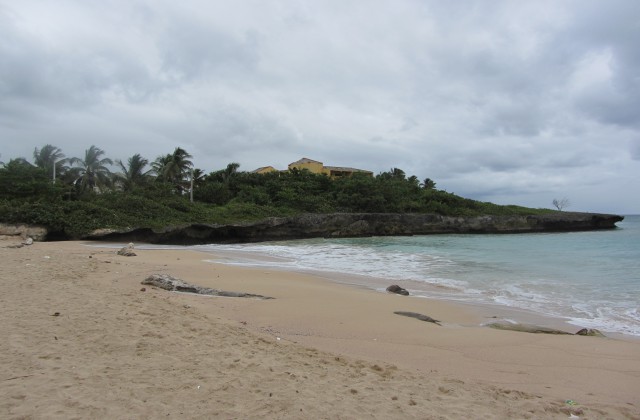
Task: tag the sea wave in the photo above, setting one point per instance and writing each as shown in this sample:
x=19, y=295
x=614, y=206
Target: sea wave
x=525, y=272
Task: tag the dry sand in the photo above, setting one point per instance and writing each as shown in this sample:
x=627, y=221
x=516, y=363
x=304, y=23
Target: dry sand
x=80, y=339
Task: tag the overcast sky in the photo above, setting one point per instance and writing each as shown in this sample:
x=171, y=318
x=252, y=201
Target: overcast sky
x=515, y=102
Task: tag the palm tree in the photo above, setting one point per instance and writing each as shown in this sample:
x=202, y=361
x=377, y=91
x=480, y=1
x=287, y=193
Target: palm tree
x=428, y=184
x=198, y=177
x=230, y=171
x=397, y=173
x=394, y=173
x=174, y=167
x=224, y=175
x=158, y=167
x=133, y=173
x=92, y=171
x=51, y=159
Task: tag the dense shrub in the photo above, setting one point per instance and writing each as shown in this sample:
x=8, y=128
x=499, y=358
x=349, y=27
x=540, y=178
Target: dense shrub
x=27, y=195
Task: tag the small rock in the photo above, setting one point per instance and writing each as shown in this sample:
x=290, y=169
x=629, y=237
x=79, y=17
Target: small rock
x=592, y=332
x=127, y=251
x=144, y=289
x=394, y=288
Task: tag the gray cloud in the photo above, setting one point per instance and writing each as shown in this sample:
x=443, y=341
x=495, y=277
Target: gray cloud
x=512, y=103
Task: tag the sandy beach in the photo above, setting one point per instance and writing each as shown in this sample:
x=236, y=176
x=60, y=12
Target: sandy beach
x=82, y=338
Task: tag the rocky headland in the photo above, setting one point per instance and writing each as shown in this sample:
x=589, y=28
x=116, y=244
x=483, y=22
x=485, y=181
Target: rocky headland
x=340, y=225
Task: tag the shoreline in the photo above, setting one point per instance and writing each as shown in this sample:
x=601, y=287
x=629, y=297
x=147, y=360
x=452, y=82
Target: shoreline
x=117, y=351
x=489, y=311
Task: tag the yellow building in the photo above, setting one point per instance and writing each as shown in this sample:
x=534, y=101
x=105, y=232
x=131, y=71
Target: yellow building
x=264, y=170
x=315, y=167
x=332, y=171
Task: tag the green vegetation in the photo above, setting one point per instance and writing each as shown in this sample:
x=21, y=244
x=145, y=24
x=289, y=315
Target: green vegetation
x=72, y=200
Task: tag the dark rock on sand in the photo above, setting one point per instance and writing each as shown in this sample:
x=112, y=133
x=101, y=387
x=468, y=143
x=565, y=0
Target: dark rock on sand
x=534, y=329
x=543, y=330
x=592, y=332
x=167, y=282
x=416, y=315
x=394, y=288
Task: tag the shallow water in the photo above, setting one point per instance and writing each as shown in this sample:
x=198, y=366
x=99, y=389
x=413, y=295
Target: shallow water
x=592, y=279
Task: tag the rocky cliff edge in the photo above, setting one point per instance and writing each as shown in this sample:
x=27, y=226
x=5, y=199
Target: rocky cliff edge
x=340, y=225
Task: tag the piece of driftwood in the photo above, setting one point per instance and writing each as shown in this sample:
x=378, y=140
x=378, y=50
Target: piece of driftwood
x=416, y=315
x=167, y=282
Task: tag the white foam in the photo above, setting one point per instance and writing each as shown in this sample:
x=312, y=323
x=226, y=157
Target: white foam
x=462, y=277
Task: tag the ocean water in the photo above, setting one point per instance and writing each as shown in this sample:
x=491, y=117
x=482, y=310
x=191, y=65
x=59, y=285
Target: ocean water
x=590, y=279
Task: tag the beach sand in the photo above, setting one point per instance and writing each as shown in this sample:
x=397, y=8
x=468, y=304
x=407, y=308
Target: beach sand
x=81, y=339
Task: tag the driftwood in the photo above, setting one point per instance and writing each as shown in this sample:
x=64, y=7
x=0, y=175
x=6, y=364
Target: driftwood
x=166, y=282
x=416, y=315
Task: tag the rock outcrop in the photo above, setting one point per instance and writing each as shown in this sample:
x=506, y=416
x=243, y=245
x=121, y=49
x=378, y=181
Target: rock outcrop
x=339, y=225
x=36, y=233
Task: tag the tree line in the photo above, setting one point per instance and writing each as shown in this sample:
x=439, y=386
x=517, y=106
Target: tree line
x=92, y=173
x=73, y=196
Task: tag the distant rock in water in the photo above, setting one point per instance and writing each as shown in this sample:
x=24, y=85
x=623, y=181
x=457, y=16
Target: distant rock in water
x=394, y=288
x=166, y=282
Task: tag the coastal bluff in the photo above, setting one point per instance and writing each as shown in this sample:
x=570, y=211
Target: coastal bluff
x=342, y=225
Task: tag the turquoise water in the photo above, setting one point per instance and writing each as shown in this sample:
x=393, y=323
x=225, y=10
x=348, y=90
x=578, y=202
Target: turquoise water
x=592, y=279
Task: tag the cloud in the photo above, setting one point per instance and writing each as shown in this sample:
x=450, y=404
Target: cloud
x=494, y=102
